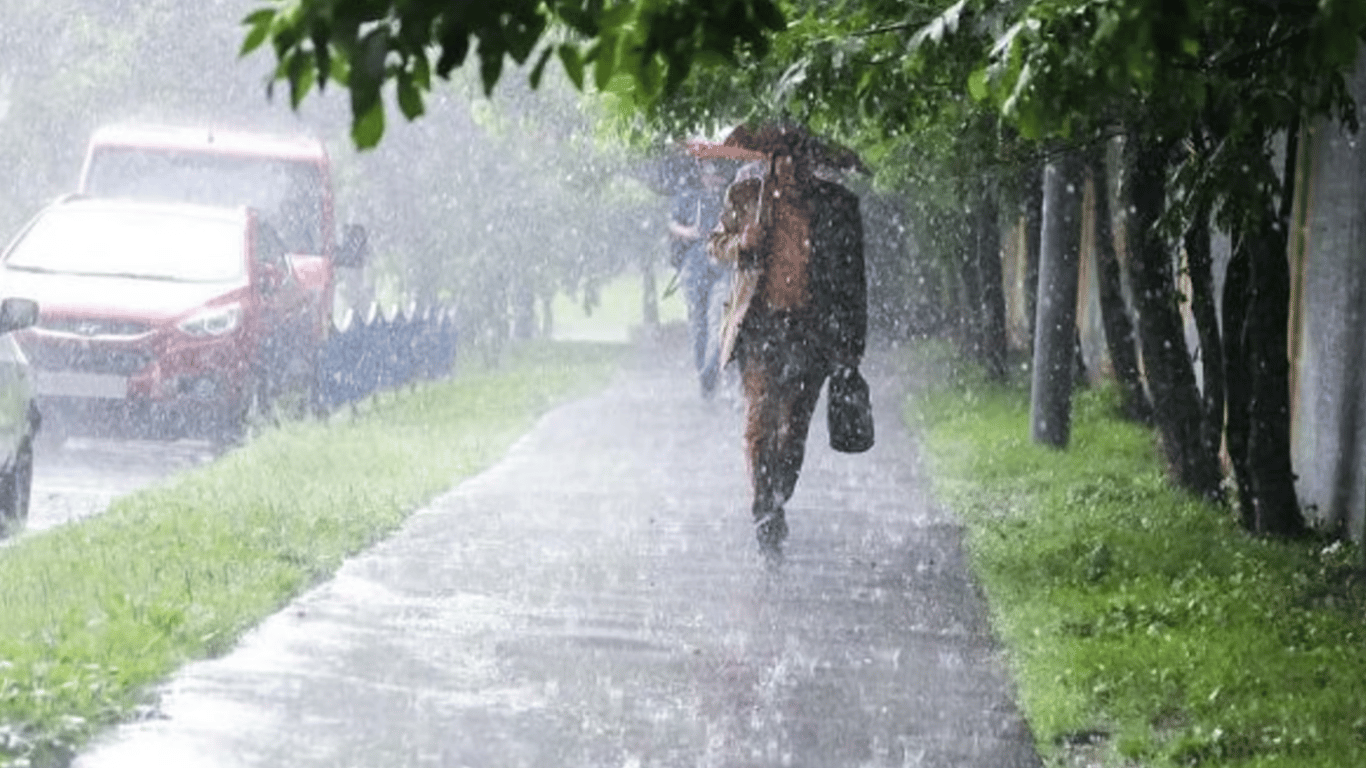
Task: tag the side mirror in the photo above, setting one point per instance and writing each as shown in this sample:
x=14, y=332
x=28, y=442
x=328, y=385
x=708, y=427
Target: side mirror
x=355, y=247
x=17, y=314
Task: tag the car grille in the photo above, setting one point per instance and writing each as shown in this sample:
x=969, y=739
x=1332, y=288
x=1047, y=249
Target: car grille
x=76, y=356
x=93, y=327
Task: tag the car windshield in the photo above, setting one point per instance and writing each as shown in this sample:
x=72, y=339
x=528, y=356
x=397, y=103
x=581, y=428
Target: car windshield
x=288, y=193
x=158, y=245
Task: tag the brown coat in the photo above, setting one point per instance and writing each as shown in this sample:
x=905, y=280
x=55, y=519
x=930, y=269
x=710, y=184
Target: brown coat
x=834, y=287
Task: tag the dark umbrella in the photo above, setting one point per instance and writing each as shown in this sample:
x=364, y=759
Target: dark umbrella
x=760, y=143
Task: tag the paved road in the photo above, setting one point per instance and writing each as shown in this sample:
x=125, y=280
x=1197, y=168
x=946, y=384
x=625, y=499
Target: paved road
x=82, y=476
x=597, y=599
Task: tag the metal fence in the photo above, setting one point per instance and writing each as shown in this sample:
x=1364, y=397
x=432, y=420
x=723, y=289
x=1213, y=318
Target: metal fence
x=373, y=352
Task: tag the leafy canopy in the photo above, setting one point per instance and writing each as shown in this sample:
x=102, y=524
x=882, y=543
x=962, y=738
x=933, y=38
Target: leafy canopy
x=644, y=48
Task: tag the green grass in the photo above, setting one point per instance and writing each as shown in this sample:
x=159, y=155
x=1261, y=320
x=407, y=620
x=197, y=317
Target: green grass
x=93, y=613
x=1143, y=626
x=619, y=311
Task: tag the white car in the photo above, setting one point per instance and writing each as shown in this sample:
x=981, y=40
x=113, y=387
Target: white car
x=19, y=419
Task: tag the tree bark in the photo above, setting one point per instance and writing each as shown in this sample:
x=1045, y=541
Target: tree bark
x=1056, y=322
x=968, y=294
x=1200, y=267
x=1237, y=279
x=991, y=308
x=1120, y=339
x=1166, y=362
x=1259, y=407
x=1033, y=229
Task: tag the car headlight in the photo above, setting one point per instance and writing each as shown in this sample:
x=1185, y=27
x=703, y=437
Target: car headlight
x=218, y=321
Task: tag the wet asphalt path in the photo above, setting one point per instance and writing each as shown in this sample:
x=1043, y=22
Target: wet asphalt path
x=597, y=599
x=82, y=476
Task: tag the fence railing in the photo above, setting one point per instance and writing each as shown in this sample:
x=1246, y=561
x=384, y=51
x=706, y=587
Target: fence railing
x=368, y=353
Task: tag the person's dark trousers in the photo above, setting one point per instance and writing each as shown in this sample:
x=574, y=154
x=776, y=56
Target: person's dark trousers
x=782, y=369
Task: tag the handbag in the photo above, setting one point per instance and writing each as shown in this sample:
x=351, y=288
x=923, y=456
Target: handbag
x=850, y=412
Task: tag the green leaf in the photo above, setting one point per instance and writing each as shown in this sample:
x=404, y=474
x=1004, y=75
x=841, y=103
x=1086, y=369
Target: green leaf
x=1028, y=122
x=368, y=127
x=322, y=56
x=522, y=38
x=865, y=82
x=490, y=66
x=578, y=20
x=255, y=37
x=770, y=15
x=977, y=83
x=409, y=97
x=455, y=46
x=341, y=69
x=300, y=78
x=422, y=71
x=259, y=16
x=615, y=18
x=367, y=65
x=605, y=60
x=940, y=27
x=539, y=69
x=573, y=63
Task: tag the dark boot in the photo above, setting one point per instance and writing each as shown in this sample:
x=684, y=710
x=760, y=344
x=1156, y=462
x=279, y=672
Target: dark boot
x=770, y=525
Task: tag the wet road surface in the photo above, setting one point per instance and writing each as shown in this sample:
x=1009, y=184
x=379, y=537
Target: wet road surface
x=81, y=476
x=597, y=599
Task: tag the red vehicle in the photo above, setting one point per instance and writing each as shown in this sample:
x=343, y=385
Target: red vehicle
x=183, y=317
x=287, y=178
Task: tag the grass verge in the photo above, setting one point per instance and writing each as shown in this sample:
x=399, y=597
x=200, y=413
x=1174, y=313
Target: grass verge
x=619, y=309
x=1143, y=627
x=93, y=613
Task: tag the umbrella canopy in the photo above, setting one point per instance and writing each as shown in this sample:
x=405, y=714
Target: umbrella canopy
x=759, y=143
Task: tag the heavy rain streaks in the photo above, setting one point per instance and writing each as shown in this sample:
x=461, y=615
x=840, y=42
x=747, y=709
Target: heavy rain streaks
x=596, y=598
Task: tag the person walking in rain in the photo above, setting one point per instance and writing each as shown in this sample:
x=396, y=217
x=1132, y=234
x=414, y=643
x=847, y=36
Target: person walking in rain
x=704, y=281
x=798, y=312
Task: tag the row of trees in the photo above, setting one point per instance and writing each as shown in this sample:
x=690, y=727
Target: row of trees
x=983, y=112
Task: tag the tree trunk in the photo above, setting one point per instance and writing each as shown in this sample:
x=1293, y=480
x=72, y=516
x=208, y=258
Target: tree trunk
x=1200, y=266
x=1114, y=311
x=1081, y=378
x=1259, y=407
x=1033, y=224
x=1237, y=384
x=523, y=310
x=967, y=296
x=548, y=316
x=1166, y=362
x=991, y=307
x=1056, y=322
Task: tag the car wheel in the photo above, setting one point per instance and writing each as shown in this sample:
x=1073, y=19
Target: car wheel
x=16, y=486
